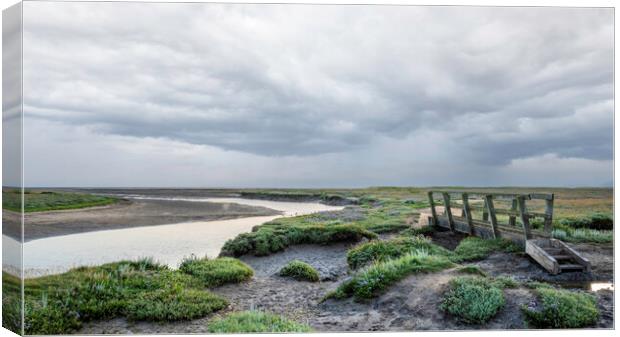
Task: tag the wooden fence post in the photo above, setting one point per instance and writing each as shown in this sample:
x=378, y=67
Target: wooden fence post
x=432, y=204
x=491, y=208
x=512, y=220
x=549, y=216
x=446, y=201
x=467, y=212
x=524, y=218
x=485, y=213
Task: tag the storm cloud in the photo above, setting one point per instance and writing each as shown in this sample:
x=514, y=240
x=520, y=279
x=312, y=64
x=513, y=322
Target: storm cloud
x=147, y=94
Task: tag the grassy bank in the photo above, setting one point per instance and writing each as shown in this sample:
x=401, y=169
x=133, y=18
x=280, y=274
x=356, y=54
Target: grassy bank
x=370, y=218
x=39, y=201
x=137, y=290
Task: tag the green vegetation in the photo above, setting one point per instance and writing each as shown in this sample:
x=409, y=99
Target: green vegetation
x=374, y=216
x=471, y=248
x=475, y=248
x=300, y=271
x=275, y=236
x=59, y=304
x=217, y=272
x=255, y=321
x=371, y=281
x=570, y=234
x=38, y=201
x=561, y=309
x=410, y=231
x=473, y=300
x=378, y=251
x=597, y=220
x=173, y=304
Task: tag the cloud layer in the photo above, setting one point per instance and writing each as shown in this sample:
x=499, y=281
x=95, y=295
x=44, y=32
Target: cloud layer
x=298, y=95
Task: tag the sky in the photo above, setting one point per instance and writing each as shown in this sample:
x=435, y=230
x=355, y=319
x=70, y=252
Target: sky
x=221, y=95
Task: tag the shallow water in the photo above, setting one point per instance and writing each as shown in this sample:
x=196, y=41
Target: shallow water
x=167, y=244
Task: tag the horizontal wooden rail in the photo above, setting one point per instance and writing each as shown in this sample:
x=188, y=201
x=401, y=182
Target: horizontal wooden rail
x=464, y=200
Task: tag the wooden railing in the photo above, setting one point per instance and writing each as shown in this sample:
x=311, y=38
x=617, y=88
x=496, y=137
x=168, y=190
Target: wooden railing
x=517, y=208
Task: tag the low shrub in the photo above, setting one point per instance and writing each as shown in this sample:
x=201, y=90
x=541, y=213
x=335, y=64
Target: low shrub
x=473, y=300
x=218, y=271
x=377, y=251
x=255, y=321
x=371, y=281
x=600, y=221
x=300, y=270
x=174, y=304
x=570, y=234
x=561, y=309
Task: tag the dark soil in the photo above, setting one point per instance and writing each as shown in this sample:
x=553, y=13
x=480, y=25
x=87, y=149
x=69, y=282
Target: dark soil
x=411, y=304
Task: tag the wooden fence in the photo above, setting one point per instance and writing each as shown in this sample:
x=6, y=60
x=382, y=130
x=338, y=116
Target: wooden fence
x=514, y=206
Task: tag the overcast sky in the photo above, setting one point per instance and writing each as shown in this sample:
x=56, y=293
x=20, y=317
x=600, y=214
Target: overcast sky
x=213, y=95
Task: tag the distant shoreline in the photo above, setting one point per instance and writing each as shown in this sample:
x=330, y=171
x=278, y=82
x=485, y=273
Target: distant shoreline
x=124, y=214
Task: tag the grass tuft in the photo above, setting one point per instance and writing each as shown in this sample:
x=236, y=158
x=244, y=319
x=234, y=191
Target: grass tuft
x=174, y=304
x=561, y=309
x=300, y=271
x=371, y=281
x=218, y=271
x=473, y=300
x=272, y=237
x=255, y=321
x=378, y=251
x=474, y=248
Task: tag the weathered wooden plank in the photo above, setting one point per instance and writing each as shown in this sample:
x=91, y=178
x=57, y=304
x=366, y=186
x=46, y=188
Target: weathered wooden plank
x=485, y=213
x=573, y=253
x=512, y=221
x=533, y=249
x=548, y=229
x=467, y=213
x=524, y=218
x=502, y=211
x=544, y=196
x=431, y=202
x=482, y=194
x=492, y=215
x=448, y=209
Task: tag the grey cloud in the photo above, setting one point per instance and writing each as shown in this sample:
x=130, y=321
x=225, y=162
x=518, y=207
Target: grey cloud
x=495, y=84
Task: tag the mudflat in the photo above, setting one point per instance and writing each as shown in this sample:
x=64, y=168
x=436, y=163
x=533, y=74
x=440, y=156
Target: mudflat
x=124, y=214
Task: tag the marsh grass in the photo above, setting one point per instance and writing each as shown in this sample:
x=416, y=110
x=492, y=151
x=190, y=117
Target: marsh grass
x=59, y=304
x=275, y=236
x=173, y=304
x=38, y=201
x=255, y=322
x=374, y=279
x=474, y=248
x=218, y=271
x=473, y=300
x=378, y=251
x=561, y=309
x=300, y=271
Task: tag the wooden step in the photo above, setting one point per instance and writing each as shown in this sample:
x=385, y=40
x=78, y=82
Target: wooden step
x=554, y=251
x=562, y=257
x=571, y=267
